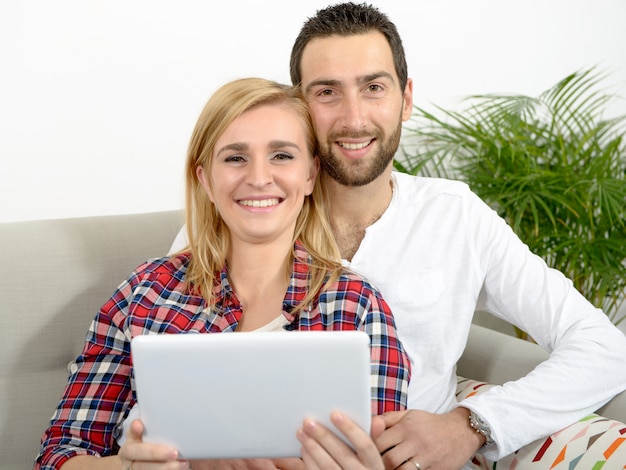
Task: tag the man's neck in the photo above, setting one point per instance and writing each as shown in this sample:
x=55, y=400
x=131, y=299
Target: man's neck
x=354, y=208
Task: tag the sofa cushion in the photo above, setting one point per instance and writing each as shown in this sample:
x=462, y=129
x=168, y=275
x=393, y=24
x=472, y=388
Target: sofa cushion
x=594, y=442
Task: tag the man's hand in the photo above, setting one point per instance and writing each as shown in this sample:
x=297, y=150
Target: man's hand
x=435, y=442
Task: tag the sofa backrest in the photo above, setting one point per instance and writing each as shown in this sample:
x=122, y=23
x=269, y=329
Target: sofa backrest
x=54, y=276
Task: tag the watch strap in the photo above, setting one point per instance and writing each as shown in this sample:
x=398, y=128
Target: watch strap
x=480, y=426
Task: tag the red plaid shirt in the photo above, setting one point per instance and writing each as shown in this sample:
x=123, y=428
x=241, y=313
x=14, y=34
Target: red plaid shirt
x=155, y=299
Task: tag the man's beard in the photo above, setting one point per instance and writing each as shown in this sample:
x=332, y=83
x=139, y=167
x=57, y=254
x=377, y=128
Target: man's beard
x=359, y=172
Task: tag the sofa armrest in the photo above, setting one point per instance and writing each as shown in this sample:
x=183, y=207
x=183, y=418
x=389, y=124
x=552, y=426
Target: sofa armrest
x=494, y=357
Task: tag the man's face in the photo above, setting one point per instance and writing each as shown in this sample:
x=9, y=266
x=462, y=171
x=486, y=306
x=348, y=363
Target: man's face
x=358, y=107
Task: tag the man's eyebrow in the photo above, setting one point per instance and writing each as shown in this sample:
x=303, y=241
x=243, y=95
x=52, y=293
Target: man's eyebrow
x=360, y=80
x=322, y=82
x=372, y=77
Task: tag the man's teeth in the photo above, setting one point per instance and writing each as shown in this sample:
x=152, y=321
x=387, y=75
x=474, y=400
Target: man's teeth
x=354, y=146
x=258, y=202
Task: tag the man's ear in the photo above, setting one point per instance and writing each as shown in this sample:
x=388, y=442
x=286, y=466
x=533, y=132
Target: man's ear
x=407, y=103
x=204, y=181
x=313, y=172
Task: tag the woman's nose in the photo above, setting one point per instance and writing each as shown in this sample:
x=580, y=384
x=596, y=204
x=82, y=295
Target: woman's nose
x=260, y=173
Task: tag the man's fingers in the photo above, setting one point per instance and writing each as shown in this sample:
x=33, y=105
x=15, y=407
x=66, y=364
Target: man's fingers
x=393, y=432
x=378, y=426
x=393, y=417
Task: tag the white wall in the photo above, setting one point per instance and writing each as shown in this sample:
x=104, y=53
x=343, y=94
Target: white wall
x=98, y=98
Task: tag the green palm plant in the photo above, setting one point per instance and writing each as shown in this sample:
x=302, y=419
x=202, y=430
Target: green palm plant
x=551, y=165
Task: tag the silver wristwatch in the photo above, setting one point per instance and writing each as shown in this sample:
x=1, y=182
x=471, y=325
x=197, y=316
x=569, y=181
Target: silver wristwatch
x=479, y=425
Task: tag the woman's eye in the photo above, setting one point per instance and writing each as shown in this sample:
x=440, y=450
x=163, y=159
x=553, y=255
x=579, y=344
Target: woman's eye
x=234, y=159
x=283, y=156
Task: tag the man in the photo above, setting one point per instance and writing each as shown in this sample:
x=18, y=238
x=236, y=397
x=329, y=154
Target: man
x=438, y=253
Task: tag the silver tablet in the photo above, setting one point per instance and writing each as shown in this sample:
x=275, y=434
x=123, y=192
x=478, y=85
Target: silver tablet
x=244, y=395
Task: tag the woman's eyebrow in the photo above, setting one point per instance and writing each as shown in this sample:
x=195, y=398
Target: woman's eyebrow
x=277, y=144
x=236, y=146
x=243, y=146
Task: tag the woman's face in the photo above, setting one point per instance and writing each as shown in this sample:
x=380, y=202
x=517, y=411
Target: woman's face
x=260, y=173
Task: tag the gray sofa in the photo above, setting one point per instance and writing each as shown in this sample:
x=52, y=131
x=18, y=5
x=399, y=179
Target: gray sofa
x=55, y=274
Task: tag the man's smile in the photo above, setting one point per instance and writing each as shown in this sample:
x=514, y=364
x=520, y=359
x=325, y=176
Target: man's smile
x=354, y=145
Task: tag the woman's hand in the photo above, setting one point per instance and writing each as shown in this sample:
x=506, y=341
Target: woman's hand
x=322, y=449
x=138, y=455
x=249, y=464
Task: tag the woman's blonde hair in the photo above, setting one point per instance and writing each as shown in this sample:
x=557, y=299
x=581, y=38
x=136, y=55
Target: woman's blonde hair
x=208, y=235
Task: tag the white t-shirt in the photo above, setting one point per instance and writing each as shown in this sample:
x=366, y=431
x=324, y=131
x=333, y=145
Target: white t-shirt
x=438, y=254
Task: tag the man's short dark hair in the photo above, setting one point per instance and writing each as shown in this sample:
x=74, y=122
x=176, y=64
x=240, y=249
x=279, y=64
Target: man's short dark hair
x=347, y=19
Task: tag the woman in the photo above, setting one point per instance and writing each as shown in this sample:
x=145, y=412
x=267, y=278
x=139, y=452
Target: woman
x=260, y=256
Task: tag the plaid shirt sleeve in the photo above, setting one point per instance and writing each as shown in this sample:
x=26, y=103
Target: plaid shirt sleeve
x=391, y=368
x=98, y=392
x=352, y=303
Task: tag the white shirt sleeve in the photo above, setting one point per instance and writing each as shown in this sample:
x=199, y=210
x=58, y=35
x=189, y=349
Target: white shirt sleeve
x=584, y=369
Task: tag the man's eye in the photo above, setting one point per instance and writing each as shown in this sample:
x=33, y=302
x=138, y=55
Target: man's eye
x=375, y=88
x=326, y=95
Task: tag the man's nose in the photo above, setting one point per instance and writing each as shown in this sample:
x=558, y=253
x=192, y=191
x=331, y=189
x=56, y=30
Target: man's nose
x=352, y=113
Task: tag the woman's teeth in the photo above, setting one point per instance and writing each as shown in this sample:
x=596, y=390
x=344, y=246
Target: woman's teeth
x=259, y=202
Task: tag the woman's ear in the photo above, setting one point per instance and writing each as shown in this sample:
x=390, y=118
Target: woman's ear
x=313, y=172
x=204, y=181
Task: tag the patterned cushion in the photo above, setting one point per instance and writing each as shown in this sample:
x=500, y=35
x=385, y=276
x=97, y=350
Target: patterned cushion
x=593, y=443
